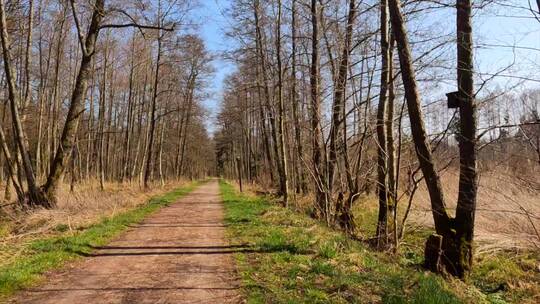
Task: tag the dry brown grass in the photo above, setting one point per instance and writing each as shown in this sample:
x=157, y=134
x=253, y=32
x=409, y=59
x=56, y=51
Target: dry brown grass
x=76, y=210
x=507, y=213
x=508, y=209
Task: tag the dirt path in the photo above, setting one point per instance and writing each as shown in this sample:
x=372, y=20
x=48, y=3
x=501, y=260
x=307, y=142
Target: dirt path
x=178, y=255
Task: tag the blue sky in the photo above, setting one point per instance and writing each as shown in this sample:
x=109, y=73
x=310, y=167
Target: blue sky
x=493, y=30
x=503, y=33
x=213, y=23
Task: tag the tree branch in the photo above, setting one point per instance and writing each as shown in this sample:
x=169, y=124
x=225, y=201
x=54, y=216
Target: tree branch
x=78, y=26
x=139, y=26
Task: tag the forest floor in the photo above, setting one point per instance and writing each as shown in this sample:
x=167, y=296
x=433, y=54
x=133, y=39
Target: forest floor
x=297, y=259
x=177, y=255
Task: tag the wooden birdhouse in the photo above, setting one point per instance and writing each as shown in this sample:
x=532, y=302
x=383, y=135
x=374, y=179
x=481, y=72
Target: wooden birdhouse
x=453, y=100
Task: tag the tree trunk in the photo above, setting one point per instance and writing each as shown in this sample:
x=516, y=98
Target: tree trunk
x=468, y=179
x=423, y=149
x=391, y=149
x=266, y=87
x=36, y=197
x=284, y=179
x=339, y=118
x=302, y=185
x=127, y=136
x=41, y=92
x=160, y=154
x=28, y=55
x=148, y=170
x=55, y=102
x=180, y=130
x=318, y=170
x=457, y=234
x=266, y=139
x=189, y=97
x=382, y=168
x=76, y=107
x=101, y=121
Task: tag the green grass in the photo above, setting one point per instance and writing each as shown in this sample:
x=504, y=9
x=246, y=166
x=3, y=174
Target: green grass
x=298, y=260
x=509, y=276
x=46, y=254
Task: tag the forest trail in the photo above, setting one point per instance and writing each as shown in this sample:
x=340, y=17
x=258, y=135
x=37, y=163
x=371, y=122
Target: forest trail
x=178, y=255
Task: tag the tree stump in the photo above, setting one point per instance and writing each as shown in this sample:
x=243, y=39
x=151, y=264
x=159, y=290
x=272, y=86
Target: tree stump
x=432, y=253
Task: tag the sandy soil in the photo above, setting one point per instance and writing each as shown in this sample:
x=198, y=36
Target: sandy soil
x=178, y=255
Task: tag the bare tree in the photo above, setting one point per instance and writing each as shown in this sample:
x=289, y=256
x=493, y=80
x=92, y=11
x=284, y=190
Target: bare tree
x=382, y=167
x=452, y=247
x=36, y=197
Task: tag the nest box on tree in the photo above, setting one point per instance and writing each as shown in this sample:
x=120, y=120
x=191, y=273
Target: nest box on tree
x=454, y=100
